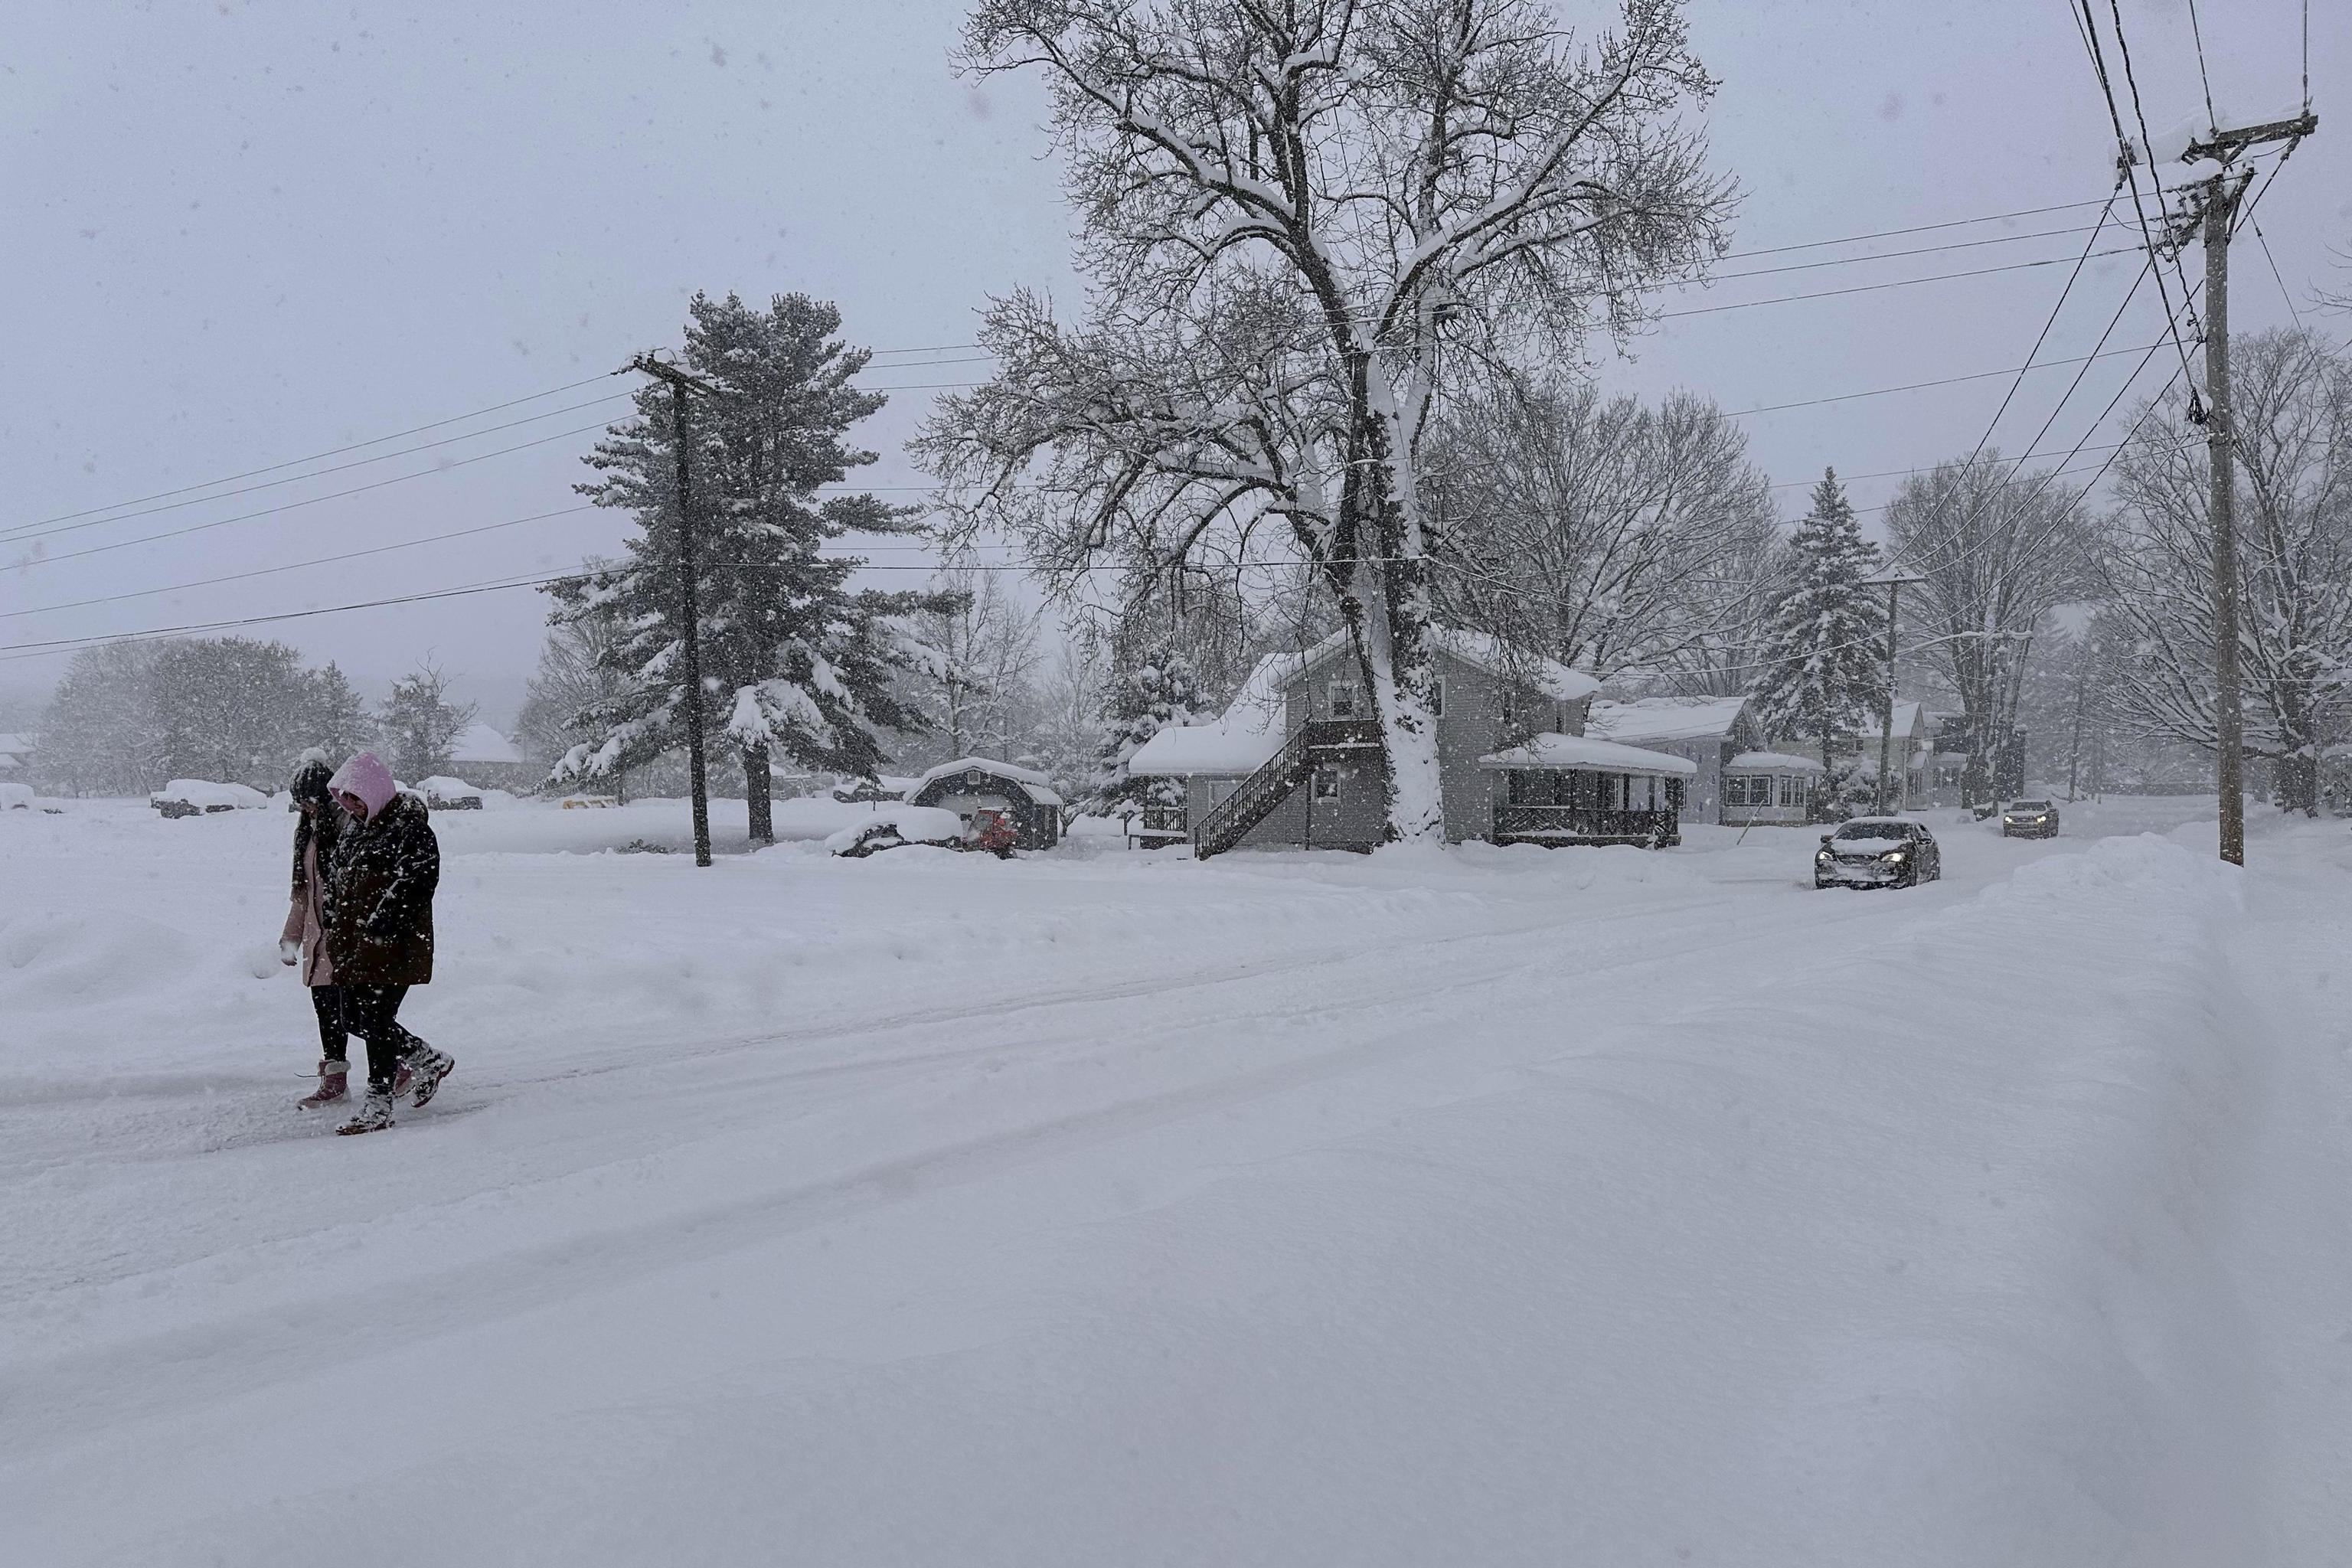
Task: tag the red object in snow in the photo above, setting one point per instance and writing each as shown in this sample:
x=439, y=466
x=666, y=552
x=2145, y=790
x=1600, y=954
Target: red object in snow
x=991, y=832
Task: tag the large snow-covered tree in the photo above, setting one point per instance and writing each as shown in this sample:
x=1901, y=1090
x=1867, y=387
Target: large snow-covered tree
x=2000, y=546
x=1298, y=221
x=1617, y=538
x=791, y=659
x=1823, y=661
x=2292, y=406
x=230, y=708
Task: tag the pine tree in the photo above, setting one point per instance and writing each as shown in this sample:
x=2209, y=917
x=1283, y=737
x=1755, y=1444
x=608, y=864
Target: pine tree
x=1154, y=688
x=1825, y=655
x=790, y=657
x=337, y=721
x=421, y=725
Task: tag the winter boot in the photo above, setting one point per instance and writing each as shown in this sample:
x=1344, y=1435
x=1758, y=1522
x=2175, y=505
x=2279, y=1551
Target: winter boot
x=334, y=1084
x=375, y=1115
x=426, y=1068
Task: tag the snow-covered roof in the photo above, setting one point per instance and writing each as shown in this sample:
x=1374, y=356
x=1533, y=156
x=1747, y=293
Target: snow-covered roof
x=1236, y=743
x=1772, y=762
x=203, y=792
x=1665, y=719
x=1908, y=717
x=1035, y=784
x=1587, y=754
x=480, y=744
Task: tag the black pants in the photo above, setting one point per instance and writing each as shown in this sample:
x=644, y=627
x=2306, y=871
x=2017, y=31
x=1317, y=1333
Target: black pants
x=368, y=1012
x=327, y=1001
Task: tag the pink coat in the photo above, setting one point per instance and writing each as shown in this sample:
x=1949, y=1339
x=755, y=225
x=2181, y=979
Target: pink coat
x=306, y=920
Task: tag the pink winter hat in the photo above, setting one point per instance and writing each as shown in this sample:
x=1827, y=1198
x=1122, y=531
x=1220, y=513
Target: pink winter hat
x=365, y=776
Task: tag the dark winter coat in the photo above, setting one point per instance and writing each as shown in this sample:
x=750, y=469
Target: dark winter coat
x=380, y=896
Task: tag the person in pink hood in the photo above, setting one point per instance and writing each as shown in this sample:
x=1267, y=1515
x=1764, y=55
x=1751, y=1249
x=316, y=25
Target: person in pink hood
x=378, y=919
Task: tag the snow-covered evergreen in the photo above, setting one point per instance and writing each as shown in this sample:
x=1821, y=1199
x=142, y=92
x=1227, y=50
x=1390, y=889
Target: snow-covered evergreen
x=791, y=659
x=1154, y=689
x=1825, y=655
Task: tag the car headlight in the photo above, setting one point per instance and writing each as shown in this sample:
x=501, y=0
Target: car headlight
x=1821, y=858
x=1895, y=856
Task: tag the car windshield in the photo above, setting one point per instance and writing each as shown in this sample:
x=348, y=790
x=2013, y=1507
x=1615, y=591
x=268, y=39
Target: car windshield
x=2029, y=806
x=1875, y=830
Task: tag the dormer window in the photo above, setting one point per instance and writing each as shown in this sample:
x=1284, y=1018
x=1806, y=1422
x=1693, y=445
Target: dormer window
x=1347, y=699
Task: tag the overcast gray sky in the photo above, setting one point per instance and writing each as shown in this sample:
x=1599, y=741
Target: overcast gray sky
x=242, y=233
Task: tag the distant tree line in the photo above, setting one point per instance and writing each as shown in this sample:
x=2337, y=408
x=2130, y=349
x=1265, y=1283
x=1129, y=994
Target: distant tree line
x=128, y=717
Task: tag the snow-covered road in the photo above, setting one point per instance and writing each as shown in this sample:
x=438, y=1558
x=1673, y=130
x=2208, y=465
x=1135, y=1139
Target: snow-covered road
x=1486, y=1207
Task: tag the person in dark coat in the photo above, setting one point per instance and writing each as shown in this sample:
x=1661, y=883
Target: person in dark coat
x=302, y=943
x=379, y=930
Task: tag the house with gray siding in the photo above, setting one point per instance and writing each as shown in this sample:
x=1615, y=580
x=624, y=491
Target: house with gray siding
x=1706, y=731
x=1296, y=760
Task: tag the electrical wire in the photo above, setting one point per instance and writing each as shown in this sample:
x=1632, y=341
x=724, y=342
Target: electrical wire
x=13, y=535
x=2212, y=120
x=1899, y=283
x=2291, y=310
x=293, y=505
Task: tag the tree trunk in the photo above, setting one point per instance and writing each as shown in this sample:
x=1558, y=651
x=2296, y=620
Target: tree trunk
x=1391, y=619
x=756, y=787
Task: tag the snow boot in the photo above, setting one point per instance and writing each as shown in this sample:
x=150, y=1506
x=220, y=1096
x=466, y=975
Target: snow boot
x=375, y=1115
x=428, y=1066
x=334, y=1084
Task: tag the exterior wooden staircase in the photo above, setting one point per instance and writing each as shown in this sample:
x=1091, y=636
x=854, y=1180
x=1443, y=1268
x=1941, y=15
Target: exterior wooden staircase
x=1229, y=821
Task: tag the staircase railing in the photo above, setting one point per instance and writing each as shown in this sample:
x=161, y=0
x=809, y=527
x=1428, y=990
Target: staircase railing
x=1253, y=801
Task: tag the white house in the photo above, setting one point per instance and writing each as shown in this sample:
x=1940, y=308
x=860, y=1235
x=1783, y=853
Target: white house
x=1706, y=731
x=15, y=755
x=487, y=760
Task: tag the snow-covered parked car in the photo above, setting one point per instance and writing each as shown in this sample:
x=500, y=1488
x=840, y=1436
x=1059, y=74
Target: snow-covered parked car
x=860, y=792
x=444, y=794
x=200, y=797
x=2030, y=819
x=1878, y=852
x=895, y=826
x=15, y=797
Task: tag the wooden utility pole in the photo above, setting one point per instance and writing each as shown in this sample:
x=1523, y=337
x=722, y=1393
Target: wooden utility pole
x=1894, y=586
x=2220, y=195
x=2229, y=721
x=690, y=610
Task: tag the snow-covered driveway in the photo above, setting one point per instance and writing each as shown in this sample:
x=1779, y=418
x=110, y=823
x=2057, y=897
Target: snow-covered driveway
x=1492, y=1207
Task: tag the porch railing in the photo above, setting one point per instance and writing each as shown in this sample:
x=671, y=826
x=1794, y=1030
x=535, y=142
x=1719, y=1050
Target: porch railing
x=1583, y=824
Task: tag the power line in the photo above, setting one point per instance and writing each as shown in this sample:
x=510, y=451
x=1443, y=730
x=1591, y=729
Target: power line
x=1887, y=254
x=299, y=565
x=1916, y=228
x=1922, y=385
x=22, y=533
x=2291, y=310
x=2212, y=120
x=1899, y=283
x=331, y=452
x=293, y=505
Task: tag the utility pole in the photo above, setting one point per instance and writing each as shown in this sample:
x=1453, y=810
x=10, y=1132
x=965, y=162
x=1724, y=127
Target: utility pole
x=2219, y=196
x=690, y=610
x=1894, y=586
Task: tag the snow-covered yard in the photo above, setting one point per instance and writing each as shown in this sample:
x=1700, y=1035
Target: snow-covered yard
x=1489, y=1207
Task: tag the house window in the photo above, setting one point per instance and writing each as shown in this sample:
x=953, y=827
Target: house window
x=1326, y=780
x=1745, y=789
x=1676, y=791
x=1220, y=790
x=1346, y=696
x=1792, y=789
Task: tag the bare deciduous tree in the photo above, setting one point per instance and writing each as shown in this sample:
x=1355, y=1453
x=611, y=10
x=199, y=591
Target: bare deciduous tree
x=2292, y=405
x=1298, y=221
x=2000, y=548
x=1620, y=539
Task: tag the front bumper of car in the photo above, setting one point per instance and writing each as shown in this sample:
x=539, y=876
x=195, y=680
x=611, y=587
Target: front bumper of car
x=1873, y=872
x=2027, y=827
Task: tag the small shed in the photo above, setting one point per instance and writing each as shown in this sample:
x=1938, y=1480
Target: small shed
x=970, y=785
x=1761, y=788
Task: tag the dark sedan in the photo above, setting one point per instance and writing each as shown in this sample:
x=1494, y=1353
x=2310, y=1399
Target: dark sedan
x=2030, y=819
x=1878, y=852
